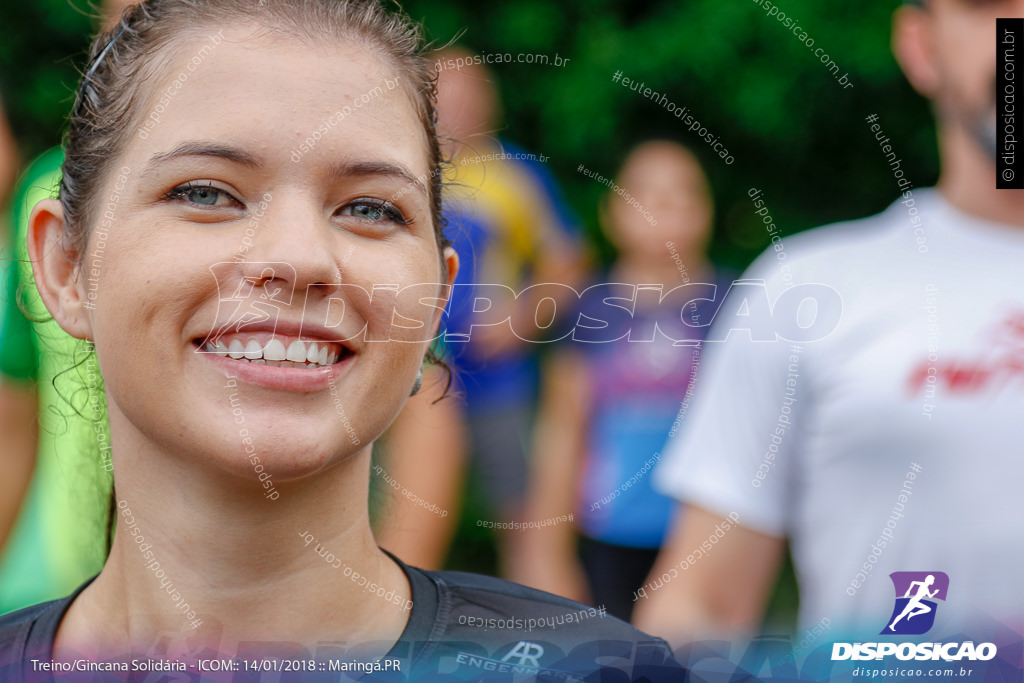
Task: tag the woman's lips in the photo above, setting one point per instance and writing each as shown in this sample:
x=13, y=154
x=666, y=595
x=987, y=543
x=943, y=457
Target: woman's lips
x=285, y=375
x=275, y=349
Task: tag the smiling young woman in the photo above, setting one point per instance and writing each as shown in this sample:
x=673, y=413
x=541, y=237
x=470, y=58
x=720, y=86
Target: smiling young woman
x=207, y=262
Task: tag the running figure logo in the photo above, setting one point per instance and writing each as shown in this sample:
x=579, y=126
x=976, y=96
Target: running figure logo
x=914, y=612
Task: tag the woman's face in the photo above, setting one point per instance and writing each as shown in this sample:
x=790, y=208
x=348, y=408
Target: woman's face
x=230, y=232
x=669, y=184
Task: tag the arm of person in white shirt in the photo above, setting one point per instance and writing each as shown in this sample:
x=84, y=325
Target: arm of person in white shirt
x=722, y=594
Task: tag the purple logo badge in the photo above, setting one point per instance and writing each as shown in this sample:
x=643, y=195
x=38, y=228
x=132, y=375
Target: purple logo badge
x=916, y=593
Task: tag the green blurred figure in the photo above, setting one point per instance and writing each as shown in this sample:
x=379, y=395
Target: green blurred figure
x=52, y=527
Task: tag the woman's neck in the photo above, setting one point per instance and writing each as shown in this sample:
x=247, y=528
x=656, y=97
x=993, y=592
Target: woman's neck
x=668, y=272
x=298, y=569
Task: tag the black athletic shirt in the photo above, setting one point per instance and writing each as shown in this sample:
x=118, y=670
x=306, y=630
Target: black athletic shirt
x=462, y=627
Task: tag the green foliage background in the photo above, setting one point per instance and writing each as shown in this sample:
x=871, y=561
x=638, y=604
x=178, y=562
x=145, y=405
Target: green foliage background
x=793, y=130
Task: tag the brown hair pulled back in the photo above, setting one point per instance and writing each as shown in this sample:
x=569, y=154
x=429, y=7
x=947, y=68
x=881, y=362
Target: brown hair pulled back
x=127, y=59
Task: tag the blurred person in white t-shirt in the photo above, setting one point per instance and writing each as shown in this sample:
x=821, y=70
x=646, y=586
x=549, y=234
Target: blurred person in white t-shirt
x=895, y=443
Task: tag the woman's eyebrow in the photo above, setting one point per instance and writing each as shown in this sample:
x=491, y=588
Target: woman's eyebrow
x=340, y=170
x=349, y=169
x=204, y=149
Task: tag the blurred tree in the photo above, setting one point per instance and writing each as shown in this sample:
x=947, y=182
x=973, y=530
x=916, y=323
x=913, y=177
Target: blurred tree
x=793, y=130
x=43, y=47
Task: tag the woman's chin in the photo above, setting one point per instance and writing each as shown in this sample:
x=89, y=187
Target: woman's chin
x=268, y=463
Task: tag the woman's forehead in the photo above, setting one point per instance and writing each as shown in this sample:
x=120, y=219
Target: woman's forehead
x=275, y=91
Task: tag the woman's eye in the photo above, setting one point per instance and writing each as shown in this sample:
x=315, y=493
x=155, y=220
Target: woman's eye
x=374, y=210
x=202, y=195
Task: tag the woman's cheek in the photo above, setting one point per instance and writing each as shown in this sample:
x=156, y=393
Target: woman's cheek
x=404, y=297
x=415, y=308
x=378, y=312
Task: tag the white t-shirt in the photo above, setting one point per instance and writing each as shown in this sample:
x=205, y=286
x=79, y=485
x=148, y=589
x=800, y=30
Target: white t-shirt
x=924, y=371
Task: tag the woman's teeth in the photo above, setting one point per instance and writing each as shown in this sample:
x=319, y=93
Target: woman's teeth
x=296, y=355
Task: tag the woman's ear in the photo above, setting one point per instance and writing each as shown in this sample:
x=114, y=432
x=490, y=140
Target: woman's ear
x=451, y=261
x=57, y=276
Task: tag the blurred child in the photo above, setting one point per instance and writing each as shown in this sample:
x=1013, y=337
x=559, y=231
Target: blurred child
x=511, y=230
x=608, y=407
